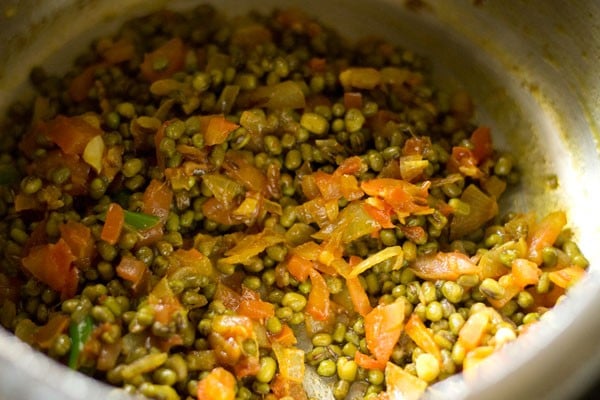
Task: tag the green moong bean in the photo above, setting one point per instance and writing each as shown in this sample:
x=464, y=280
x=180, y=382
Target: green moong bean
x=326, y=368
x=158, y=391
x=268, y=368
x=347, y=369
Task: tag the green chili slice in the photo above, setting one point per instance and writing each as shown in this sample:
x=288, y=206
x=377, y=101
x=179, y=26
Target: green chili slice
x=136, y=220
x=140, y=221
x=79, y=333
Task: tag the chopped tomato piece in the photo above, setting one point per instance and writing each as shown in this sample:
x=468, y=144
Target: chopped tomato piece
x=150, y=236
x=525, y=272
x=80, y=241
x=462, y=160
x=71, y=134
x=482, y=144
x=353, y=100
x=113, y=225
x=164, y=61
x=157, y=200
x=246, y=366
x=133, y=270
x=318, y=304
x=417, y=145
x=253, y=307
x=233, y=326
x=219, y=384
x=285, y=337
x=350, y=165
x=53, y=265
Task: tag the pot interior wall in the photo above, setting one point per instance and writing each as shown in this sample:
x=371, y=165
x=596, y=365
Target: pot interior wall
x=531, y=82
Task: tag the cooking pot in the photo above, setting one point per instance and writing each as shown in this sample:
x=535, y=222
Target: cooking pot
x=530, y=66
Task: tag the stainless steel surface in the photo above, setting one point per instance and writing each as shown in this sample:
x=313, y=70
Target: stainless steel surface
x=531, y=67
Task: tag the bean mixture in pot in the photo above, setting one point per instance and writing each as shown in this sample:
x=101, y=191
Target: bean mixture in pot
x=197, y=194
